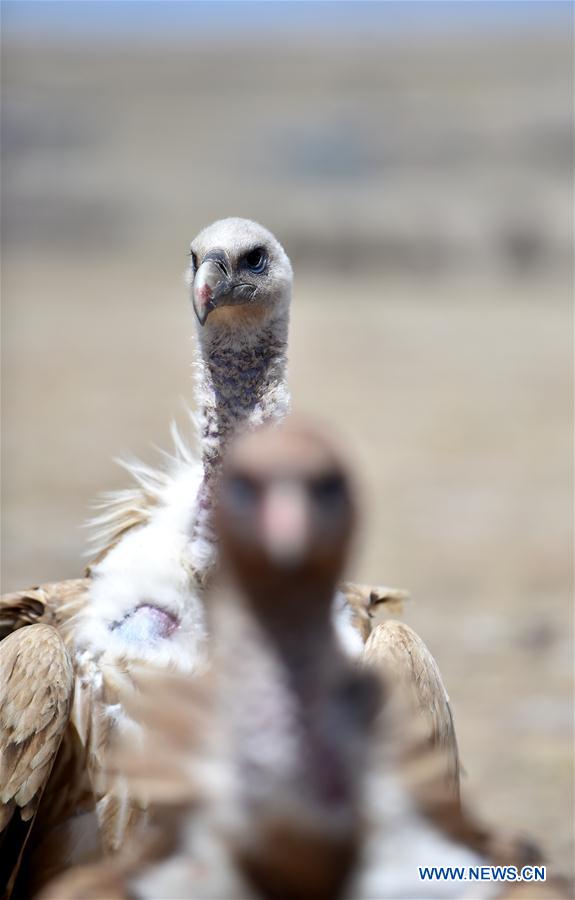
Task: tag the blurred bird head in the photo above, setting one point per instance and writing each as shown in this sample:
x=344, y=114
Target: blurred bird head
x=239, y=273
x=286, y=510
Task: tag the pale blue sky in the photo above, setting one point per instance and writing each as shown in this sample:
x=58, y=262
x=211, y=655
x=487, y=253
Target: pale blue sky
x=185, y=18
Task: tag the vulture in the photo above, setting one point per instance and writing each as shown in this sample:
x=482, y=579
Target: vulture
x=143, y=602
x=280, y=774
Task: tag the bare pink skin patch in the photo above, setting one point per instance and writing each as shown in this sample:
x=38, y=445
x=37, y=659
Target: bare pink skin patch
x=204, y=293
x=146, y=624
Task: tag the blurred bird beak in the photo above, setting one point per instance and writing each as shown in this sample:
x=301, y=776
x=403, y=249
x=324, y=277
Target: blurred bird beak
x=285, y=524
x=211, y=283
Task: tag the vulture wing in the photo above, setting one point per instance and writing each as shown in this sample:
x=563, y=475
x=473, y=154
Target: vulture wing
x=21, y=608
x=404, y=659
x=51, y=604
x=36, y=687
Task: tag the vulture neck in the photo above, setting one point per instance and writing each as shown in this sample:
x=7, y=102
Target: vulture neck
x=288, y=740
x=298, y=622
x=241, y=384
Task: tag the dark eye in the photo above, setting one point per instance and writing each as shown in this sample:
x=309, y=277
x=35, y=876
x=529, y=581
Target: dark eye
x=330, y=489
x=194, y=260
x=240, y=492
x=256, y=260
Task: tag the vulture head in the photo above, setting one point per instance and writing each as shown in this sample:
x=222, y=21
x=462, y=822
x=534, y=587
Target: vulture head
x=286, y=508
x=238, y=273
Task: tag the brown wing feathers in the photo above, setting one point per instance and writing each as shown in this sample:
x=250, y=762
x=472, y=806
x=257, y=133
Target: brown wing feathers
x=36, y=675
x=37, y=678
x=52, y=604
x=408, y=667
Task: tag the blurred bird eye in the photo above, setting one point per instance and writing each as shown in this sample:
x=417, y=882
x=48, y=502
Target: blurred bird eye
x=194, y=260
x=256, y=260
x=330, y=489
x=240, y=492
x=361, y=696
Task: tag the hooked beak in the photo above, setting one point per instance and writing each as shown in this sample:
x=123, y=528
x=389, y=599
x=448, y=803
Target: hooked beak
x=285, y=524
x=213, y=286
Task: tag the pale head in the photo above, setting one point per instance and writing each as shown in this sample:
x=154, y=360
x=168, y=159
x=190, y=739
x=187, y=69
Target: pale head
x=286, y=507
x=239, y=274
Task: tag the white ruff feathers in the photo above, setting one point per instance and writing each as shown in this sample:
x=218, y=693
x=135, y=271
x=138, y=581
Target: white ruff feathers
x=148, y=565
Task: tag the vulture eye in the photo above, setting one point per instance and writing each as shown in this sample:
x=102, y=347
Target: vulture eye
x=194, y=260
x=240, y=492
x=360, y=696
x=256, y=260
x=330, y=489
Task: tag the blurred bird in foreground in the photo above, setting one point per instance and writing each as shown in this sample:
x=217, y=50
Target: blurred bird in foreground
x=144, y=600
x=281, y=773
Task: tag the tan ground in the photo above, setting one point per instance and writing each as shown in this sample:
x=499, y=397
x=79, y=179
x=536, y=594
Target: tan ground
x=452, y=388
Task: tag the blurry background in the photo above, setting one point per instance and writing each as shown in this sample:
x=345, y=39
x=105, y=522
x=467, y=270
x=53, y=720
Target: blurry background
x=416, y=162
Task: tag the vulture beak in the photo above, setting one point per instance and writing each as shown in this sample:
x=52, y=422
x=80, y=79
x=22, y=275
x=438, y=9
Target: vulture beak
x=214, y=286
x=285, y=524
